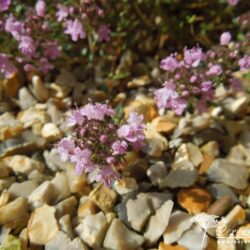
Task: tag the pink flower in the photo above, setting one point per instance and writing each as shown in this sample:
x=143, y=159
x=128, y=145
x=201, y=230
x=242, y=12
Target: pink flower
x=40, y=8
x=206, y=86
x=107, y=175
x=169, y=63
x=179, y=105
x=96, y=111
x=193, y=56
x=27, y=46
x=244, y=62
x=4, y=5
x=74, y=118
x=236, y=85
x=6, y=67
x=225, y=38
x=62, y=12
x=28, y=67
x=14, y=27
x=51, y=50
x=119, y=147
x=233, y=2
x=75, y=30
x=104, y=33
x=44, y=66
x=133, y=131
x=82, y=160
x=65, y=148
x=215, y=70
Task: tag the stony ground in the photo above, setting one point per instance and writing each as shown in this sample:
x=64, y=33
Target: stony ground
x=192, y=165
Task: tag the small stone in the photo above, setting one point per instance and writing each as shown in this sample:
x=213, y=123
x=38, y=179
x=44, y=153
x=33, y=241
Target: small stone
x=66, y=226
x=4, y=198
x=179, y=222
x=39, y=90
x=211, y=148
x=193, y=239
x=119, y=237
x=11, y=85
x=164, y=246
x=61, y=186
x=138, y=212
x=220, y=206
x=190, y=152
x=165, y=124
x=234, y=175
x=156, y=142
x=179, y=178
x=26, y=100
x=125, y=185
x=234, y=218
x=156, y=172
x=15, y=214
x=51, y=132
x=4, y=170
x=86, y=208
x=77, y=184
x=43, y=194
x=9, y=126
x=207, y=161
x=220, y=190
x=67, y=206
x=23, y=164
x=53, y=160
x=59, y=90
x=195, y=200
x=139, y=82
x=158, y=223
x=94, y=228
x=6, y=183
x=103, y=197
x=59, y=241
x=42, y=226
x=142, y=105
x=23, y=189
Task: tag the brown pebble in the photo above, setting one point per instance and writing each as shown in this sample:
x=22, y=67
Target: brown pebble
x=220, y=206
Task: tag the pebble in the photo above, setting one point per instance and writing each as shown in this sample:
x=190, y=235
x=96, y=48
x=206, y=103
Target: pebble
x=220, y=206
x=66, y=226
x=59, y=90
x=11, y=243
x=158, y=223
x=156, y=143
x=26, y=100
x=231, y=174
x=11, y=85
x=163, y=246
x=51, y=132
x=179, y=178
x=23, y=189
x=15, y=214
x=165, y=124
x=243, y=233
x=53, y=160
x=119, y=237
x=39, y=89
x=211, y=148
x=139, y=81
x=125, y=185
x=157, y=172
x=104, y=197
x=42, y=226
x=4, y=170
x=67, y=206
x=86, y=207
x=195, y=200
x=6, y=183
x=4, y=198
x=94, y=228
x=179, y=222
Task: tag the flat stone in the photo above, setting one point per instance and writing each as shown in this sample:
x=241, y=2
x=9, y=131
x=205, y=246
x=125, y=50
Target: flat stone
x=194, y=200
x=138, y=212
x=158, y=223
x=179, y=222
x=15, y=214
x=155, y=141
x=103, y=197
x=43, y=194
x=23, y=189
x=67, y=206
x=26, y=100
x=119, y=237
x=42, y=226
x=193, y=239
x=179, y=178
x=157, y=172
x=231, y=174
x=94, y=228
x=125, y=185
x=23, y=164
x=220, y=190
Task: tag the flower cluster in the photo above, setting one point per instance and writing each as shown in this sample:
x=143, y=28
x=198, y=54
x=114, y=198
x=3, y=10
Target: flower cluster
x=41, y=31
x=192, y=81
x=98, y=144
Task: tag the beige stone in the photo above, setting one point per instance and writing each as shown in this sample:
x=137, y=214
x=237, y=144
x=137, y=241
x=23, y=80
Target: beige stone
x=86, y=208
x=67, y=206
x=51, y=132
x=22, y=189
x=4, y=198
x=42, y=226
x=66, y=225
